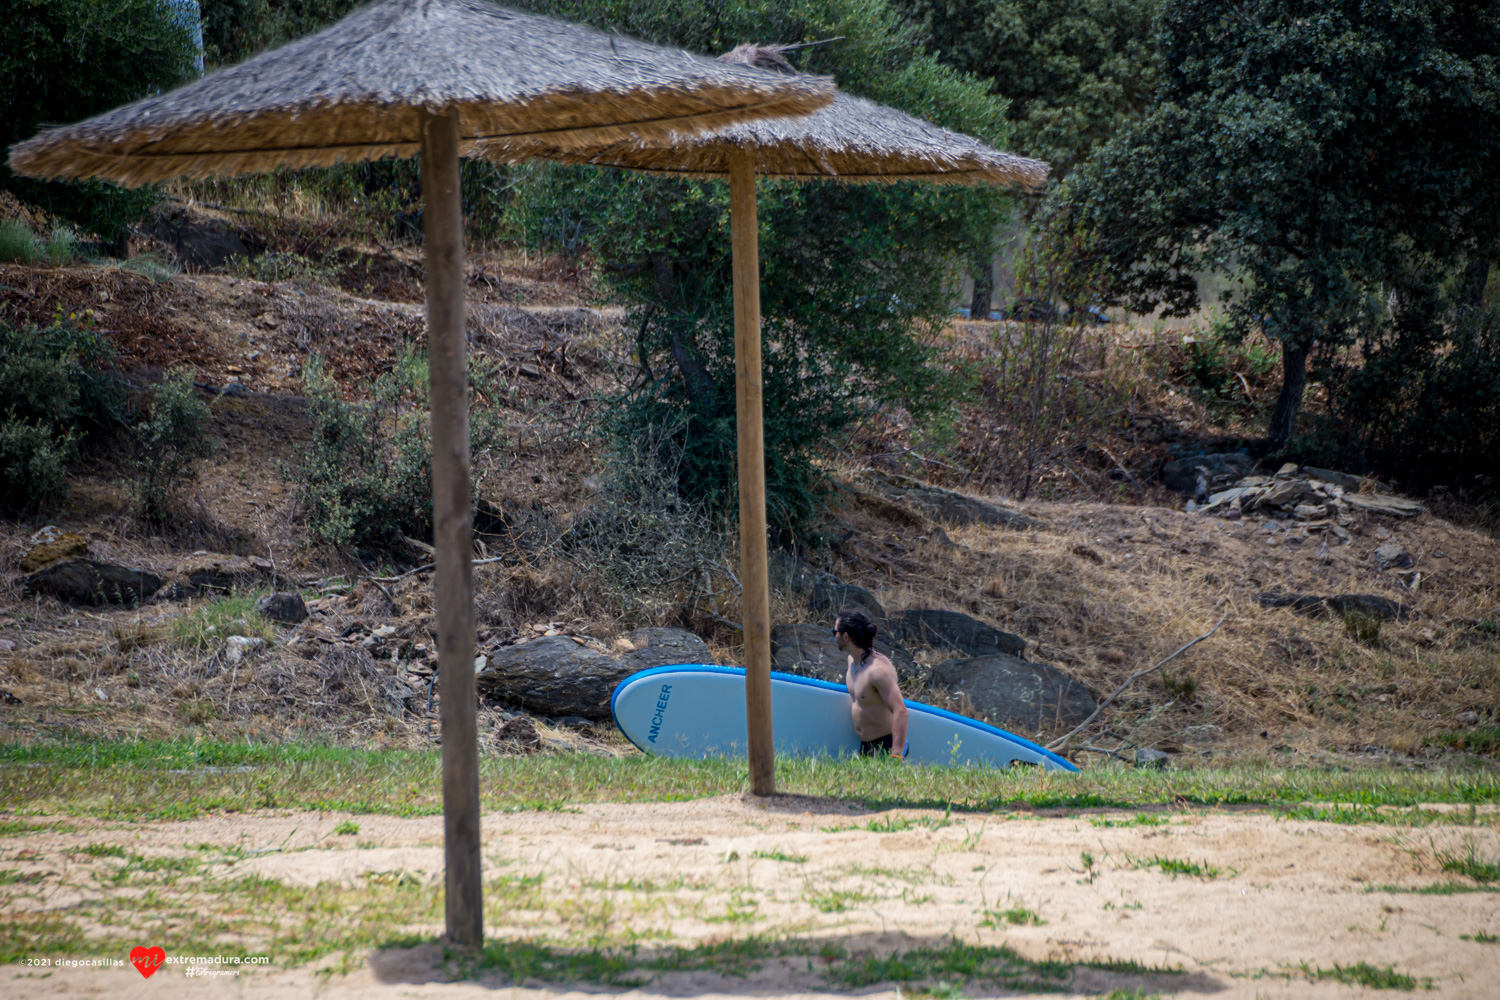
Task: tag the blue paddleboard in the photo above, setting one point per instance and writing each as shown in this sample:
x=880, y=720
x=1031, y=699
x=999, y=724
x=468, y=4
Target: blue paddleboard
x=698, y=710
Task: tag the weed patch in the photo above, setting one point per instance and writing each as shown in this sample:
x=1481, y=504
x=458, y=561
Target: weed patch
x=1016, y=916
x=1176, y=866
x=1369, y=976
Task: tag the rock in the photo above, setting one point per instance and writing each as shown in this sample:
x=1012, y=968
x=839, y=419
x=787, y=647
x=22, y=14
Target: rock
x=787, y=572
x=88, y=581
x=401, y=697
x=518, y=735
x=6, y=698
x=237, y=647
x=812, y=651
x=1392, y=556
x=955, y=631
x=553, y=675
x=1016, y=694
x=1369, y=605
x=1377, y=503
x=206, y=572
x=201, y=244
x=946, y=505
x=7, y=645
x=1153, y=760
x=49, y=545
x=657, y=647
x=1219, y=471
x=287, y=608
x=1341, y=479
x=835, y=597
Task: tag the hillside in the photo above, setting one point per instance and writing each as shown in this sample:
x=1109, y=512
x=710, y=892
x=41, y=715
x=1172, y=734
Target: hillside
x=1115, y=577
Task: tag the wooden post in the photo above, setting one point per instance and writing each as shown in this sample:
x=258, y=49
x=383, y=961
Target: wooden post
x=755, y=599
x=452, y=521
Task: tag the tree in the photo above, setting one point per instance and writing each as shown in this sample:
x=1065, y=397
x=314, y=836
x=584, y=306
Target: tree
x=64, y=60
x=1074, y=71
x=853, y=278
x=1315, y=149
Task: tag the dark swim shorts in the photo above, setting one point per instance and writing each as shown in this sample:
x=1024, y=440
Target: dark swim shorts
x=877, y=747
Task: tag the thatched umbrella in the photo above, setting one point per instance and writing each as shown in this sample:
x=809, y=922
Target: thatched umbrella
x=441, y=78
x=851, y=140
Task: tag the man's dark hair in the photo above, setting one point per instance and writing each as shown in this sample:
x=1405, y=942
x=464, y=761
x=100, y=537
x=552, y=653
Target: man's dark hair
x=858, y=626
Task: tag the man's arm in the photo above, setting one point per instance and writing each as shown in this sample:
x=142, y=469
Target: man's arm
x=890, y=691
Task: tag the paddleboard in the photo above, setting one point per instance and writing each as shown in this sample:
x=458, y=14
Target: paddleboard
x=698, y=710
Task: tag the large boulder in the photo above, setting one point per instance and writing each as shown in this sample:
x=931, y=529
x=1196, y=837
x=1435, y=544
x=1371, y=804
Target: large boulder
x=1016, y=694
x=554, y=675
x=202, y=244
x=812, y=651
x=658, y=647
x=946, y=505
x=286, y=607
x=50, y=545
x=954, y=631
x=89, y=581
x=834, y=597
x=1218, y=471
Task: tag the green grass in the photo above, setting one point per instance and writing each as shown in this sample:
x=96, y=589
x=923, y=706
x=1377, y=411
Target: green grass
x=1369, y=976
x=1413, y=816
x=142, y=780
x=778, y=855
x=347, y=828
x=1482, y=739
x=19, y=245
x=1016, y=916
x=1139, y=819
x=1176, y=866
x=1436, y=889
x=207, y=625
x=1481, y=937
x=837, y=900
x=1470, y=861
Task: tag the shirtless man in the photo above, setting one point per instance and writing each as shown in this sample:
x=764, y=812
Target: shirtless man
x=874, y=695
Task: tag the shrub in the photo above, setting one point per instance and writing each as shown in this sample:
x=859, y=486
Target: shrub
x=56, y=388
x=365, y=477
x=169, y=443
x=19, y=245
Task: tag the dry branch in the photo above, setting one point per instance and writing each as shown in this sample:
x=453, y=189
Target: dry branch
x=1062, y=740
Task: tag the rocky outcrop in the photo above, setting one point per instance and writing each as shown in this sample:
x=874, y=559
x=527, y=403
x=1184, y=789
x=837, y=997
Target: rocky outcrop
x=833, y=597
x=1366, y=605
x=1205, y=474
x=89, y=581
x=286, y=608
x=812, y=651
x=946, y=506
x=1016, y=694
x=554, y=675
x=658, y=647
x=955, y=632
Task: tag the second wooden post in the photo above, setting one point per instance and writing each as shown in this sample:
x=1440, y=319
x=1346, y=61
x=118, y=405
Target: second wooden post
x=452, y=521
x=755, y=601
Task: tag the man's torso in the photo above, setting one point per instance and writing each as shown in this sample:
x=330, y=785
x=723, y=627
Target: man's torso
x=872, y=716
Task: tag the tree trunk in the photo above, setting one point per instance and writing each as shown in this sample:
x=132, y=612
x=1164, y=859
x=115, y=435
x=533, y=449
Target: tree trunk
x=984, y=287
x=1289, y=402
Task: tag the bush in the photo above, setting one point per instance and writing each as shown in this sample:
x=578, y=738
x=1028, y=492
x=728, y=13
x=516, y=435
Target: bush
x=19, y=245
x=169, y=443
x=365, y=477
x=65, y=60
x=56, y=387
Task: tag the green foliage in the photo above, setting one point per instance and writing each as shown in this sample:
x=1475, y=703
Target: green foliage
x=1312, y=150
x=19, y=245
x=853, y=279
x=1366, y=975
x=55, y=388
x=207, y=625
x=65, y=60
x=170, y=441
x=1075, y=71
x=365, y=477
x=1481, y=739
x=235, y=30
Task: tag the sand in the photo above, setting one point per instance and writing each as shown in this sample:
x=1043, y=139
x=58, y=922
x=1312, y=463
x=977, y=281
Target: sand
x=1286, y=893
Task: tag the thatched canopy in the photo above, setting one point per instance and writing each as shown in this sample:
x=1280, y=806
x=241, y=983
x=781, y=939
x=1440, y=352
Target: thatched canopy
x=351, y=92
x=852, y=140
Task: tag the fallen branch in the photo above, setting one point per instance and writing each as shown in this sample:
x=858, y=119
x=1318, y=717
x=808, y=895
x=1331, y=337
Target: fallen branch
x=424, y=567
x=1061, y=740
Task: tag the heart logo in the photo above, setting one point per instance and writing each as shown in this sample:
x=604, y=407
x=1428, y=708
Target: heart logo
x=147, y=960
